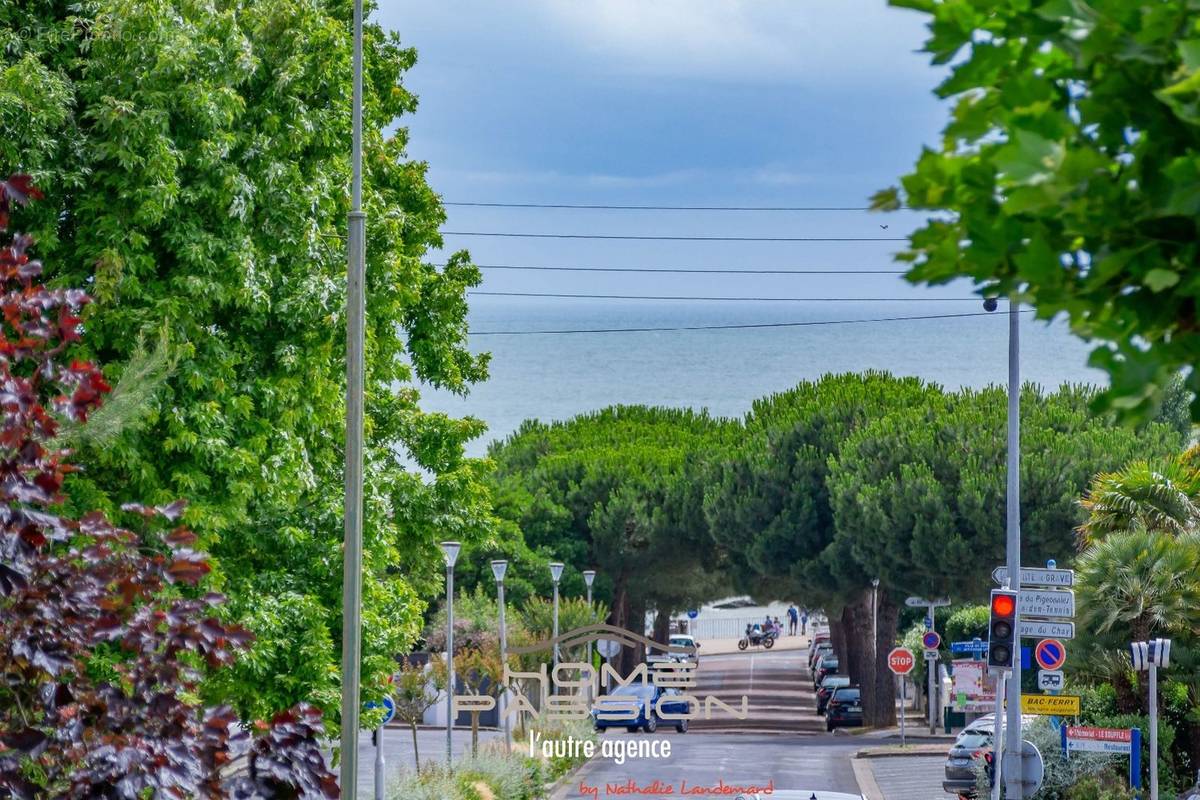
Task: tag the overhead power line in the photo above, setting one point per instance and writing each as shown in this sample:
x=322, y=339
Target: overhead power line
x=631, y=237
x=747, y=326
x=700, y=270
x=618, y=207
x=561, y=295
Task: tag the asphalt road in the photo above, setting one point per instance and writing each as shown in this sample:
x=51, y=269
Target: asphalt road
x=706, y=759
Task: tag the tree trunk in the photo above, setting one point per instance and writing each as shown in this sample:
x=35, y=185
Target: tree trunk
x=850, y=653
x=884, y=682
x=662, y=627
x=837, y=634
x=416, y=752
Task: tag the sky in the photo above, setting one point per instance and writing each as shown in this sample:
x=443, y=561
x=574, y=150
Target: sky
x=678, y=102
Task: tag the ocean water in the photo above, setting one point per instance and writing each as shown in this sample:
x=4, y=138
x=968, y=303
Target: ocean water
x=556, y=376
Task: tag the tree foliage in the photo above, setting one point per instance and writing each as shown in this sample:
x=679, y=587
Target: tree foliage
x=199, y=155
x=1070, y=168
x=104, y=639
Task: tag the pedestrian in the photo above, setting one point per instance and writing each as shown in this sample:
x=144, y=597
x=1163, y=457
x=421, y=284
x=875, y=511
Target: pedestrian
x=793, y=619
x=804, y=622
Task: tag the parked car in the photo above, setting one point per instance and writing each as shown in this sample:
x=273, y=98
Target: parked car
x=825, y=691
x=815, y=657
x=647, y=697
x=844, y=709
x=828, y=666
x=970, y=748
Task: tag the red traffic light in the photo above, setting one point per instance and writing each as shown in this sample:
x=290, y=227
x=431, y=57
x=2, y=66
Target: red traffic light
x=1004, y=605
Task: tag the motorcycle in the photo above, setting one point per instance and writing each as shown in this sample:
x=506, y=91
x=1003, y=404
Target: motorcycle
x=758, y=637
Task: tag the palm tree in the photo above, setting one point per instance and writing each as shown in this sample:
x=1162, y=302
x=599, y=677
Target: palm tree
x=1161, y=496
x=1139, y=583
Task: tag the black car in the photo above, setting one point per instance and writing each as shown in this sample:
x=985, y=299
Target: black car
x=844, y=709
x=826, y=666
x=830, y=683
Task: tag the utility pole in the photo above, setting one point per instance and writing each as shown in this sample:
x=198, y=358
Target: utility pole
x=1012, y=775
x=352, y=546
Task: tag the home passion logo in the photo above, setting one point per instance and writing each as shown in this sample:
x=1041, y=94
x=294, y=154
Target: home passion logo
x=656, y=689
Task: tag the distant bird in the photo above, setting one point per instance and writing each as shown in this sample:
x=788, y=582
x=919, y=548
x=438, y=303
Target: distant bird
x=884, y=227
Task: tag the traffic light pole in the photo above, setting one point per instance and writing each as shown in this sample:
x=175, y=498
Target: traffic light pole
x=1012, y=776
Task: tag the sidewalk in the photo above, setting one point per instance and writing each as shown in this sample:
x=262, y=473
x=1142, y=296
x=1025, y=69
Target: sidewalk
x=892, y=772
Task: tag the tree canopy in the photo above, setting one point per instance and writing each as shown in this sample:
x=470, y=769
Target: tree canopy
x=1070, y=168
x=197, y=156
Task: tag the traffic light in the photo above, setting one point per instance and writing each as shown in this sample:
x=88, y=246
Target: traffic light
x=1002, y=630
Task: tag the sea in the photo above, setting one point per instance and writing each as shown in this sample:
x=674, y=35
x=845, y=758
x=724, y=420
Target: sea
x=554, y=376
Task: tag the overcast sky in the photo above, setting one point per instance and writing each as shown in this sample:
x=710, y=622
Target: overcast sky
x=687, y=102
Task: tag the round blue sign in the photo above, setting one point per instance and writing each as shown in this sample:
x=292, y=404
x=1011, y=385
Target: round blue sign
x=693, y=613
x=389, y=709
x=931, y=640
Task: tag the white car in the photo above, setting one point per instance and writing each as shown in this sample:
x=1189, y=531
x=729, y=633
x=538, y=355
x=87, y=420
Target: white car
x=684, y=640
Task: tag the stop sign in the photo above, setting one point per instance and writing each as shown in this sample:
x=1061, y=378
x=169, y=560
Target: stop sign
x=901, y=661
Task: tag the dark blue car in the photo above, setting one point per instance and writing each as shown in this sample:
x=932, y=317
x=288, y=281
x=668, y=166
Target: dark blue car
x=646, y=697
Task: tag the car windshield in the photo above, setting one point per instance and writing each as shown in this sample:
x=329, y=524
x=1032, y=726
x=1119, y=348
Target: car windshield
x=681, y=641
x=829, y=663
x=973, y=739
x=632, y=690
x=846, y=695
x=834, y=681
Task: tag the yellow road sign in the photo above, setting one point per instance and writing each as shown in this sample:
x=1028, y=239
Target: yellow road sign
x=1058, y=705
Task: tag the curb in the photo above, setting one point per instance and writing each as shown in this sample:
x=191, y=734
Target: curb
x=896, y=751
x=865, y=778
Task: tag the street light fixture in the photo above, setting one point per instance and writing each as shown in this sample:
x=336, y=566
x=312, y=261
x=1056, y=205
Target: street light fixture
x=450, y=552
x=556, y=571
x=1148, y=657
x=499, y=567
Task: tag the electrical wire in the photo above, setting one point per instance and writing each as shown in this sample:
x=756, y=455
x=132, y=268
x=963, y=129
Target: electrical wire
x=741, y=327
x=629, y=237
x=560, y=295
x=698, y=270
x=606, y=207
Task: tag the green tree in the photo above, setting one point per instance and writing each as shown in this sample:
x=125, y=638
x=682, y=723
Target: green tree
x=415, y=691
x=1069, y=169
x=200, y=157
x=1161, y=496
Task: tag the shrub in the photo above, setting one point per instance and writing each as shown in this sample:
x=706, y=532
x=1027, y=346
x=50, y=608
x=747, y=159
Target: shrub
x=493, y=774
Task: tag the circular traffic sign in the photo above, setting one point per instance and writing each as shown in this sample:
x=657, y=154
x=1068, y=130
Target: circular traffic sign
x=1050, y=654
x=608, y=647
x=931, y=640
x=693, y=613
x=901, y=661
x=389, y=708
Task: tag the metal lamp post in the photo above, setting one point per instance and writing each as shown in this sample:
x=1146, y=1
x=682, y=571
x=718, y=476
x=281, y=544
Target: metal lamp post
x=499, y=567
x=352, y=545
x=556, y=571
x=1148, y=657
x=450, y=551
x=589, y=577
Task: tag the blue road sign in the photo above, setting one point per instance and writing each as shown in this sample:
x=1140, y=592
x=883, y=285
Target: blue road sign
x=389, y=708
x=1026, y=658
x=975, y=646
x=928, y=622
x=693, y=613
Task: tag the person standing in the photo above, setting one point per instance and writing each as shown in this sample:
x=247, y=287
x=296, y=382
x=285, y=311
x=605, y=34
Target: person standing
x=793, y=620
x=804, y=622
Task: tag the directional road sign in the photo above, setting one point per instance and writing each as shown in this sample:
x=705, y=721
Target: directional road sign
x=901, y=661
x=693, y=613
x=1050, y=680
x=389, y=709
x=1098, y=740
x=1047, y=603
x=1050, y=654
x=1044, y=629
x=974, y=646
x=1055, y=705
x=921, y=602
x=1061, y=578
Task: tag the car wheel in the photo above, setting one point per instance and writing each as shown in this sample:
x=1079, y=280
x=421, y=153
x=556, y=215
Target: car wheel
x=599, y=728
x=829, y=726
x=652, y=723
x=742, y=643
x=632, y=728
x=682, y=726
x=769, y=642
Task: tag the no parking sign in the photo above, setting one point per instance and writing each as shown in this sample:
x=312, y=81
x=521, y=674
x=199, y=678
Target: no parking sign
x=1051, y=654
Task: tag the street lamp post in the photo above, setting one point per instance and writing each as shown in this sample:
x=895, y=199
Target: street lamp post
x=556, y=570
x=1149, y=656
x=499, y=567
x=589, y=577
x=450, y=551
x=352, y=545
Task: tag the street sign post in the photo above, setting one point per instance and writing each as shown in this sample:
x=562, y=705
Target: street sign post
x=1123, y=741
x=921, y=602
x=1051, y=705
x=1047, y=603
x=1045, y=629
x=1063, y=578
x=901, y=662
x=1033, y=770
x=389, y=712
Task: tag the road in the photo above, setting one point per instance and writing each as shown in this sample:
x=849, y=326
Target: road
x=705, y=759
x=776, y=685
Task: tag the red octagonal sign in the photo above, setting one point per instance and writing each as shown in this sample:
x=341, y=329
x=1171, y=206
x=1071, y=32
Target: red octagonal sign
x=901, y=661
